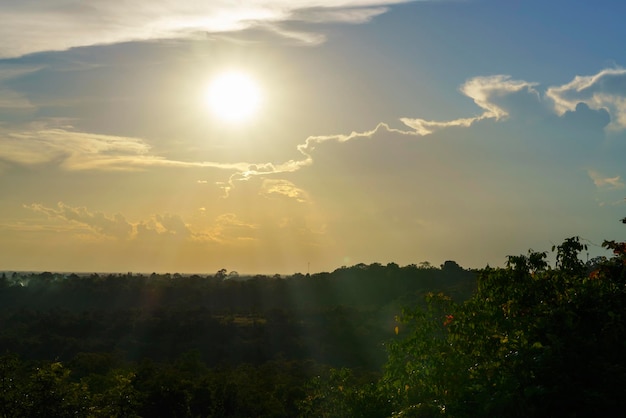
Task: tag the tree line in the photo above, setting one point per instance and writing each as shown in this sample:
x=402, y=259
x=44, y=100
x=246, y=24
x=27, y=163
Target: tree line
x=192, y=345
x=524, y=340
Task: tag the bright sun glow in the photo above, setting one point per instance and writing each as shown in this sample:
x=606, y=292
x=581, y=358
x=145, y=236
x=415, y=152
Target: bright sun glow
x=233, y=97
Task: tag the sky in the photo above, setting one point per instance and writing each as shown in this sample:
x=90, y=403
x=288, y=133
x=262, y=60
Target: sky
x=380, y=131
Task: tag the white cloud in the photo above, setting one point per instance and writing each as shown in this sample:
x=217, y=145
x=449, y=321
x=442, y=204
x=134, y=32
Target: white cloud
x=55, y=141
x=58, y=142
x=484, y=91
x=424, y=127
x=47, y=141
x=602, y=181
x=604, y=90
x=58, y=25
x=312, y=141
x=345, y=15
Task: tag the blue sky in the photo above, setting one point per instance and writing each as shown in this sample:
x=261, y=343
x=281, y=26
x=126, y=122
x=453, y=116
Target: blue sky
x=386, y=132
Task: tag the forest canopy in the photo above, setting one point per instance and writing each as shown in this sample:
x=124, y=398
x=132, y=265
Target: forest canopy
x=525, y=340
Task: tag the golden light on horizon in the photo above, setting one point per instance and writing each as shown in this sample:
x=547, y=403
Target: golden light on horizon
x=234, y=97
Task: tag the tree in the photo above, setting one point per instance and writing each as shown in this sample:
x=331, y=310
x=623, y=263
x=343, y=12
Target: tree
x=567, y=255
x=531, y=342
x=450, y=265
x=340, y=394
x=4, y=281
x=11, y=393
x=50, y=392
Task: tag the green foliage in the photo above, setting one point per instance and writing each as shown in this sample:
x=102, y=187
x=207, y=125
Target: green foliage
x=119, y=397
x=50, y=392
x=340, y=393
x=185, y=388
x=531, y=342
x=10, y=387
x=567, y=255
x=415, y=372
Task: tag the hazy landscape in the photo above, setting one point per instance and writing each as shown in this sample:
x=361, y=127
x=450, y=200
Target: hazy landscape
x=311, y=208
x=372, y=340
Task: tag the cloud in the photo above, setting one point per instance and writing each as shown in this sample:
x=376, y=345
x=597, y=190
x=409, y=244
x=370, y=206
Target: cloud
x=29, y=27
x=111, y=226
x=173, y=224
x=10, y=99
x=311, y=142
x=342, y=15
x=54, y=141
x=47, y=141
x=157, y=227
x=278, y=188
x=33, y=225
x=432, y=187
x=606, y=182
x=485, y=92
x=167, y=226
x=605, y=90
x=496, y=96
x=584, y=119
x=424, y=127
x=229, y=227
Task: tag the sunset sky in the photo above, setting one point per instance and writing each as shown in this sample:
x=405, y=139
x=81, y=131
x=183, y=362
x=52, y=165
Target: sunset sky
x=362, y=131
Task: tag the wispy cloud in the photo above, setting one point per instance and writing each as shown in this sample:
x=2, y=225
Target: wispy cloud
x=10, y=99
x=55, y=141
x=99, y=224
x=604, y=90
x=111, y=226
x=90, y=224
x=484, y=91
x=341, y=14
x=602, y=181
x=29, y=27
x=273, y=188
x=229, y=227
x=166, y=226
x=47, y=141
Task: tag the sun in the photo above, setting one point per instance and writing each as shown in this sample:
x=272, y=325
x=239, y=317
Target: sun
x=234, y=97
